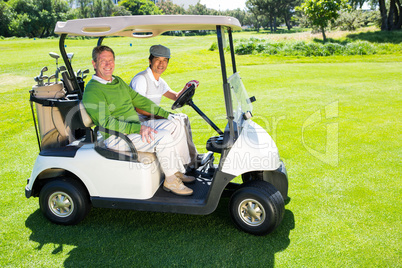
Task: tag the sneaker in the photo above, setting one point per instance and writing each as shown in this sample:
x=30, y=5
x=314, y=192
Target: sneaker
x=177, y=187
x=184, y=178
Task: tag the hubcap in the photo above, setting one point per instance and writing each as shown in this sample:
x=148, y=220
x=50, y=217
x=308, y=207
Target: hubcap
x=61, y=204
x=252, y=212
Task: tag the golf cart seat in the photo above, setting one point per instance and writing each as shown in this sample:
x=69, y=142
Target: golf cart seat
x=133, y=155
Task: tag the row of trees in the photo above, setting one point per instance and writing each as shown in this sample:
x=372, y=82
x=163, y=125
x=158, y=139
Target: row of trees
x=321, y=14
x=36, y=18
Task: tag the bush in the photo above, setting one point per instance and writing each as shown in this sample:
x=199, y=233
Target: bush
x=213, y=47
x=360, y=48
x=310, y=49
x=334, y=48
x=245, y=48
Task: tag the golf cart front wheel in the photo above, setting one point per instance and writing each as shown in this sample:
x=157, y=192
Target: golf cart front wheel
x=64, y=201
x=257, y=207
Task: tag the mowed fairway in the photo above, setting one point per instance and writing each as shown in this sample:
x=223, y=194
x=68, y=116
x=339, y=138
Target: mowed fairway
x=336, y=121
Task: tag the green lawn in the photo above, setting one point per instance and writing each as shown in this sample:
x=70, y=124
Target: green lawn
x=336, y=121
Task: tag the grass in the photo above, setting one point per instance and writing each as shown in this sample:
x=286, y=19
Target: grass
x=366, y=41
x=345, y=204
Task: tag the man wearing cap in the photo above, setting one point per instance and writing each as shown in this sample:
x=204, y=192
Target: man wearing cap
x=111, y=103
x=150, y=84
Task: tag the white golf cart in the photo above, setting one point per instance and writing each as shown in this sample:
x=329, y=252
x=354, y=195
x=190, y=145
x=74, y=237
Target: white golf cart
x=74, y=170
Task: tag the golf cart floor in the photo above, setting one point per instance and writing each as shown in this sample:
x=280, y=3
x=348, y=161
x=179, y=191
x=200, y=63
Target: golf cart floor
x=200, y=191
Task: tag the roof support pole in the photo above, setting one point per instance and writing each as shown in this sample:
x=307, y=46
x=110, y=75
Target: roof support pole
x=70, y=70
x=232, y=51
x=226, y=86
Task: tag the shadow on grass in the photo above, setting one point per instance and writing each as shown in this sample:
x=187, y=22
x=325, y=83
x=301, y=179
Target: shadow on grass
x=394, y=37
x=129, y=238
x=331, y=40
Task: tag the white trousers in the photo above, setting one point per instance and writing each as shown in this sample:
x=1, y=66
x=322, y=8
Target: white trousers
x=169, y=145
x=183, y=125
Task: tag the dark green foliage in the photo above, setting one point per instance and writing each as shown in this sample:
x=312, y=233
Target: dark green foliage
x=141, y=7
x=311, y=48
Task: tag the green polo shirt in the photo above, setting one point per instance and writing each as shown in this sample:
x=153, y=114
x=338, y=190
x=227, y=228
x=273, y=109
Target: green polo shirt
x=112, y=105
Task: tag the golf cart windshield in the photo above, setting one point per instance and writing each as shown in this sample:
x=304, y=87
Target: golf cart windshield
x=240, y=99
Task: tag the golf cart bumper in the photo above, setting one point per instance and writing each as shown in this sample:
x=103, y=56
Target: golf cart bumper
x=278, y=178
x=28, y=192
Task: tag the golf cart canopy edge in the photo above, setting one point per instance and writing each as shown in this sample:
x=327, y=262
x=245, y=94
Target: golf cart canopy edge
x=135, y=26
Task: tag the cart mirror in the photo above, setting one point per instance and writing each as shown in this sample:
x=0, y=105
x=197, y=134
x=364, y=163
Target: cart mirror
x=251, y=100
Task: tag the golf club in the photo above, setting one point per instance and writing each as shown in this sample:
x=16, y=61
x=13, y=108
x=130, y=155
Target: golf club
x=56, y=56
x=44, y=69
x=86, y=71
x=70, y=56
x=51, y=77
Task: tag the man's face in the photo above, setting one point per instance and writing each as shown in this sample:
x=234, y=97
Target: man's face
x=105, y=65
x=159, y=65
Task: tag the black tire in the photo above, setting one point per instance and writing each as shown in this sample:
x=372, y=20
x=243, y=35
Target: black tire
x=257, y=207
x=64, y=201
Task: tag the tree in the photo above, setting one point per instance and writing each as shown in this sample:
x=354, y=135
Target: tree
x=321, y=12
x=5, y=18
x=102, y=8
x=391, y=20
x=141, y=7
x=200, y=9
x=169, y=8
x=274, y=10
x=257, y=14
x=239, y=14
x=84, y=8
x=120, y=11
x=36, y=18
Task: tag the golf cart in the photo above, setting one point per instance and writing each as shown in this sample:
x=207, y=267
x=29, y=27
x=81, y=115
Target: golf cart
x=74, y=170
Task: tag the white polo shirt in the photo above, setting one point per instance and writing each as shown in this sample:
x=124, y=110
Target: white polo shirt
x=146, y=85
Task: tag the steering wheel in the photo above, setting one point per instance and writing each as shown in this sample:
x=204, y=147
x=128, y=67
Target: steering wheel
x=184, y=98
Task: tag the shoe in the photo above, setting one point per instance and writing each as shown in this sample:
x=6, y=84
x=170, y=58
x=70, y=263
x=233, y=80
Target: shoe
x=191, y=171
x=177, y=187
x=184, y=178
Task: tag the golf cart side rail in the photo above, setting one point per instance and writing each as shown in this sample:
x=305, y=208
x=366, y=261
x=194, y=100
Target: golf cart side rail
x=136, y=26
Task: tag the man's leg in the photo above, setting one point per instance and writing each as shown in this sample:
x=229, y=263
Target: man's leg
x=190, y=143
x=178, y=133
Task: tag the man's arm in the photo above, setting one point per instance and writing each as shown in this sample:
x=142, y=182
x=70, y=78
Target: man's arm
x=170, y=94
x=142, y=103
x=148, y=114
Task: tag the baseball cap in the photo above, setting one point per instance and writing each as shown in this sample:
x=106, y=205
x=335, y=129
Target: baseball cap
x=160, y=51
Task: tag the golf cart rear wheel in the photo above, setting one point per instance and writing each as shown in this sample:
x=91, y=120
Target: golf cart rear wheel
x=64, y=201
x=257, y=207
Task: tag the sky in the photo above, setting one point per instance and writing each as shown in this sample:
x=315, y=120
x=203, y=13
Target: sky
x=224, y=4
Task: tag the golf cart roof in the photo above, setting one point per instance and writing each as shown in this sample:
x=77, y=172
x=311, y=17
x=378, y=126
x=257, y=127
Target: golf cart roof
x=136, y=26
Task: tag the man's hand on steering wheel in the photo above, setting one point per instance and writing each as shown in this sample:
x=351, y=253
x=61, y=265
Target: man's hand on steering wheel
x=192, y=82
x=186, y=94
